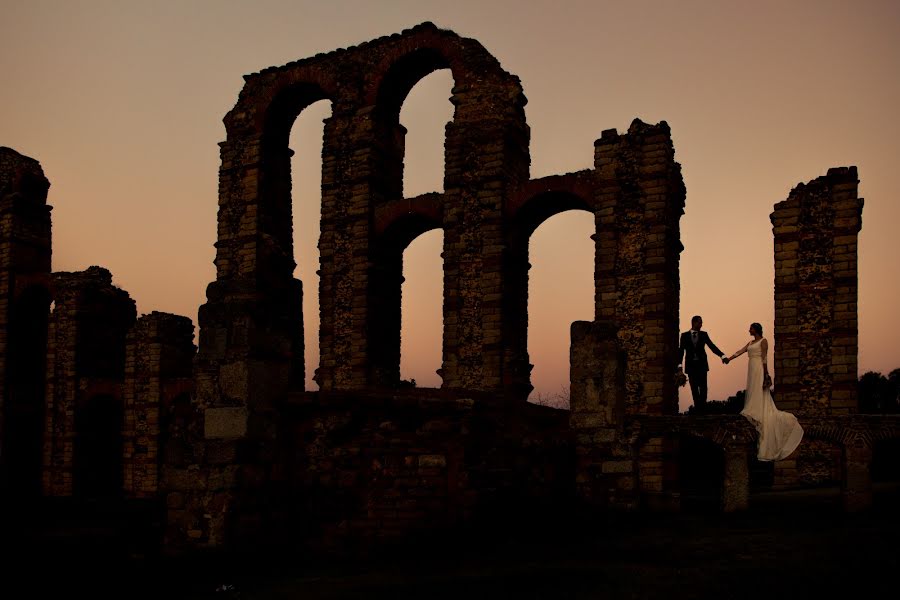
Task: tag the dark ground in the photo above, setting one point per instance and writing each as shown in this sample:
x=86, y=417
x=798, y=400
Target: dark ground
x=789, y=544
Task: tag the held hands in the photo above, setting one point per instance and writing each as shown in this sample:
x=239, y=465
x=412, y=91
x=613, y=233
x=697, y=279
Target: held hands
x=725, y=360
x=767, y=381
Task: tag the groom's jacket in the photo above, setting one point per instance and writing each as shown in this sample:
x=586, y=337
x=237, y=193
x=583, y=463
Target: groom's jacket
x=694, y=355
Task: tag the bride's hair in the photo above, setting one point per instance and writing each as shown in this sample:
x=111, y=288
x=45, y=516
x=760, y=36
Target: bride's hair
x=756, y=327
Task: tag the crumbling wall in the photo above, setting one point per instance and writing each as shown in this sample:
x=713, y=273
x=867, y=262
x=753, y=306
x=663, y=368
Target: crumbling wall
x=85, y=375
x=24, y=307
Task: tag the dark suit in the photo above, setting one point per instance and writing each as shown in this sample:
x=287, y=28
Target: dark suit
x=695, y=363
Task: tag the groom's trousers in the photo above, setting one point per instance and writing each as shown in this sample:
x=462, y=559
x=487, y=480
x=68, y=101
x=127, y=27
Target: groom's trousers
x=697, y=381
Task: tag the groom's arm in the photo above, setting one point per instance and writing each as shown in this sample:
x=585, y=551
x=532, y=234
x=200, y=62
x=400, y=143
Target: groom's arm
x=681, y=350
x=713, y=347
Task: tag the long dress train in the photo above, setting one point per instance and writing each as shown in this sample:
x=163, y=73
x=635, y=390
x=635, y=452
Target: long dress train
x=779, y=431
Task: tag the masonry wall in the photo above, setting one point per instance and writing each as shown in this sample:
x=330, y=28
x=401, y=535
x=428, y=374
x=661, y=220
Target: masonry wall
x=379, y=470
x=24, y=307
x=85, y=376
x=159, y=353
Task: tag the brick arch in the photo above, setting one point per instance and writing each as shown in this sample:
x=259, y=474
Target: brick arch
x=886, y=431
x=257, y=149
x=424, y=49
x=532, y=213
x=548, y=196
x=525, y=211
x=838, y=433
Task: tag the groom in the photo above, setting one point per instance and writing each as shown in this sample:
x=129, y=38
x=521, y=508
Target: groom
x=692, y=350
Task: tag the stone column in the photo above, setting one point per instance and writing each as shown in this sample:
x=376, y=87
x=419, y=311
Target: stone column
x=487, y=158
x=816, y=232
x=605, y=471
x=24, y=309
x=159, y=349
x=640, y=199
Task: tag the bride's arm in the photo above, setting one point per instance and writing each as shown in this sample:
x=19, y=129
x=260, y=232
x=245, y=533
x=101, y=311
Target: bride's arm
x=741, y=351
x=764, y=346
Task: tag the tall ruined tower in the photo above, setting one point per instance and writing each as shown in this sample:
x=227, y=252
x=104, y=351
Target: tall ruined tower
x=24, y=309
x=816, y=325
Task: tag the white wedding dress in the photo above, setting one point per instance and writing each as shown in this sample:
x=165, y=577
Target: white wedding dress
x=779, y=431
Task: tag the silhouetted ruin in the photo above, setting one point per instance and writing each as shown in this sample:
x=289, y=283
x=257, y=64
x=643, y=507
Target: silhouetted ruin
x=97, y=402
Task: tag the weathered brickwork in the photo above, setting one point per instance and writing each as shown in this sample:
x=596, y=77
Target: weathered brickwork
x=816, y=329
x=24, y=309
x=159, y=354
x=85, y=376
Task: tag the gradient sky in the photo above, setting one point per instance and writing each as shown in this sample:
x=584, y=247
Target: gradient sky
x=122, y=103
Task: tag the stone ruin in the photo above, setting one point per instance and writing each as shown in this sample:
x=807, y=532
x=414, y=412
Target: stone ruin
x=224, y=439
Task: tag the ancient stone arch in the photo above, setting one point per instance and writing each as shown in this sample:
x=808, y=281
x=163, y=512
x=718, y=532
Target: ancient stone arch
x=250, y=359
x=487, y=211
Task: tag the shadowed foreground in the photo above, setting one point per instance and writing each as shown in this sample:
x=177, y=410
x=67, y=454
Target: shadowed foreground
x=795, y=544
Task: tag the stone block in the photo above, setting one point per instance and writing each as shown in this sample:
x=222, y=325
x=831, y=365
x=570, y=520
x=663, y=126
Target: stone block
x=225, y=423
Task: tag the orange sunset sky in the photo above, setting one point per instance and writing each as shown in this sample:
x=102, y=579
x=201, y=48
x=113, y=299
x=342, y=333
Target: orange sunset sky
x=122, y=103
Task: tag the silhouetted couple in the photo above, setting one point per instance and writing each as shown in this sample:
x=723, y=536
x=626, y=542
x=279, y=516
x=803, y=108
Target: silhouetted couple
x=779, y=432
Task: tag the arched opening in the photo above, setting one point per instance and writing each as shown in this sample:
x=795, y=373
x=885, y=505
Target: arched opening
x=561, y=253
x=306, y=140
x=424, y=116
x=422, y=311
x=701, y=473
x=98, y=448
x=23, y=407
x=389, y=299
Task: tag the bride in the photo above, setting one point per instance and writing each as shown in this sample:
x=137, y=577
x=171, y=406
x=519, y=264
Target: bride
x=779, y=432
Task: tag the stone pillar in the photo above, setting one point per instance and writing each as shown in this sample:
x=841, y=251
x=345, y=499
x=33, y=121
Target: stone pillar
x=606, y=470
x=640, y=199
x=85, y=359
x=816, y=232
x=487, y=158
x=736, y=483
x=24, y=308
x=159, y=351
